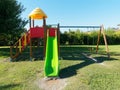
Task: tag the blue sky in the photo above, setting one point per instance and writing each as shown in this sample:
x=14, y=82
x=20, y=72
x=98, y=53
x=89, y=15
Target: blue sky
x=77, y=12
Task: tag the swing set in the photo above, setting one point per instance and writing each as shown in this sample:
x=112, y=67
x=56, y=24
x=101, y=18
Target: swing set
x=101, y=31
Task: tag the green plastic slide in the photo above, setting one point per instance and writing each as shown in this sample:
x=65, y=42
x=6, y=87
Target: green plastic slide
x=51, y=66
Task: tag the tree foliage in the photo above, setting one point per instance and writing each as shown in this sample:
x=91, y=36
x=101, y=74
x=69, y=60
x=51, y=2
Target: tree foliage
x=11, y=23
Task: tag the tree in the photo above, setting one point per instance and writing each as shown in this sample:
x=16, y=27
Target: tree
x=64, y=38
x=11, y=22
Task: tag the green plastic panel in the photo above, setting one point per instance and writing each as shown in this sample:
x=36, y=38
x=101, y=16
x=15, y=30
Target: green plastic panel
x=51, y=66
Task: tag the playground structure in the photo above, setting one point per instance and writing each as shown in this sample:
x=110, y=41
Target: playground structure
x=51, y=38
x=50, y=35
x=34, y=32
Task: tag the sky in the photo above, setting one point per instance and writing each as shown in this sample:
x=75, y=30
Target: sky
x=76, y=12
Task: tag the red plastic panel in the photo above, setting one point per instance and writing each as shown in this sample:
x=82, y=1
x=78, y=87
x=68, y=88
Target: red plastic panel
x=37, y=32
x=52, y=32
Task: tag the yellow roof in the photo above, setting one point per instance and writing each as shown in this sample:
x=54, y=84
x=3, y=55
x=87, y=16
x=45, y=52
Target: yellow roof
x=37, y=14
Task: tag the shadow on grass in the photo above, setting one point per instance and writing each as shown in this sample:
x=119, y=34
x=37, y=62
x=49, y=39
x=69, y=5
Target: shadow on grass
x=37, y=53
x=101, y=59
x=5, y=52
x=74, y=53
x=72, y=70
x=8, y=87
x=66, y=52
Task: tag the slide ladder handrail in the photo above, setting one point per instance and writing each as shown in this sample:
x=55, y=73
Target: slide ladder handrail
x=20, y=45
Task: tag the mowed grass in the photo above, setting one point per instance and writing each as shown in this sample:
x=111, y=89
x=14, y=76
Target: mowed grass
x=80, y=72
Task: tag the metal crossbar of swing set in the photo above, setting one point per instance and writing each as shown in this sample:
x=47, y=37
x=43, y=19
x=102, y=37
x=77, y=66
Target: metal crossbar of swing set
x=80, y=26
x=75, y=26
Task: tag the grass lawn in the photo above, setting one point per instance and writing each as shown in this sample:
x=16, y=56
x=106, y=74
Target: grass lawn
x=81, y=73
